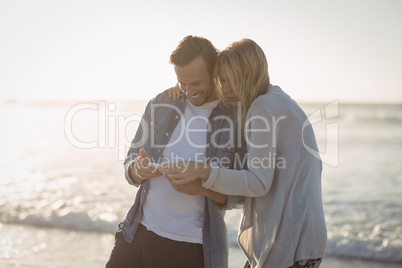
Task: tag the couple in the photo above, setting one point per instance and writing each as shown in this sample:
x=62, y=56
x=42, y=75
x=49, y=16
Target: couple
x=177, y=218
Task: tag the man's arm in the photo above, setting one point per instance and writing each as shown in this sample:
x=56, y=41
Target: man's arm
x=136, y=144
x=127, y=171
x=132, y=175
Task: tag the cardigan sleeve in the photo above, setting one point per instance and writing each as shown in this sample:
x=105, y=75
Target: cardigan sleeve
x=261, y=132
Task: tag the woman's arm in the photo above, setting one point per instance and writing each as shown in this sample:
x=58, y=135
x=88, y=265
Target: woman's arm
x=257, y=180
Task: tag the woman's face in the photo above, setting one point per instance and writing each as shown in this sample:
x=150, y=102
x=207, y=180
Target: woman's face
x=227, y=90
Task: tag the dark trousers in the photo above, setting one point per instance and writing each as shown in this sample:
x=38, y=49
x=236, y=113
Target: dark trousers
x=311, y=263
x=148, y=250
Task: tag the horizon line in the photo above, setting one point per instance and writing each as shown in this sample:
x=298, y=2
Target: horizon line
x=306, y=101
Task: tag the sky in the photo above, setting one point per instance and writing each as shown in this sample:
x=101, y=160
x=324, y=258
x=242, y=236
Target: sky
x=317, y=50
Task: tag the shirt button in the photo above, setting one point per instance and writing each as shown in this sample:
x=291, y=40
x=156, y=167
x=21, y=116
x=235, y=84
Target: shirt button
x=167, y=134
x=145, y=191
x=177, y=117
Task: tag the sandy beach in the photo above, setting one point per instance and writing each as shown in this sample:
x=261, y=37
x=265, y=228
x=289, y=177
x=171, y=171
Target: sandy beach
x=26, y=246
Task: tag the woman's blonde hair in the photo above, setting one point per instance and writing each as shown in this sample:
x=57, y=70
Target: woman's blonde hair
x=247, y=70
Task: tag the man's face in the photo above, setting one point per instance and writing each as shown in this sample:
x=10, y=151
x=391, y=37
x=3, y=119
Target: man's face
x=196, y=82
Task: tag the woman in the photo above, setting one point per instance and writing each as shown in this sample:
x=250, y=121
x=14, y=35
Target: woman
x=283, y=222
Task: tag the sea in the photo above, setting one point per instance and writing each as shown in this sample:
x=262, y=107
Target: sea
x=63, y=192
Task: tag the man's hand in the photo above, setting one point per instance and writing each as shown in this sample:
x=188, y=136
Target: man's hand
x=141, y=170
x=186, y=171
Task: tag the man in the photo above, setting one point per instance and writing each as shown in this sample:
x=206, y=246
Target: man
x=179, y=225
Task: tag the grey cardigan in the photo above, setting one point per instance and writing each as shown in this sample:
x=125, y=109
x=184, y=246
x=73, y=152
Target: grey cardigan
x=283, y=219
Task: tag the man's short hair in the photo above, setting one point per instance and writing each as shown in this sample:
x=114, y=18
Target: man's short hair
x=192, y=47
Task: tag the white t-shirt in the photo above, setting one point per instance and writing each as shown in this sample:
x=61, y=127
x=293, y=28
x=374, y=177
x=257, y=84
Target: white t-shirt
x=169, y=213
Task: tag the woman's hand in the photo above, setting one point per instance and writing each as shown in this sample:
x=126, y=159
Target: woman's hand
x=174, y=92
x=186, y=171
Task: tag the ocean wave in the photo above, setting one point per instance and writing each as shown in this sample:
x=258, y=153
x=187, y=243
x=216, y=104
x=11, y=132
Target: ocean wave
x=339, y=245
x=359, y=112
x=372, y=117
x=73, y=220
x=376, y=250
x=371, y=113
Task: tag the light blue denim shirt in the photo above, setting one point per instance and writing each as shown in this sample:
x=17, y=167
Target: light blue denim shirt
x=158, y=122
